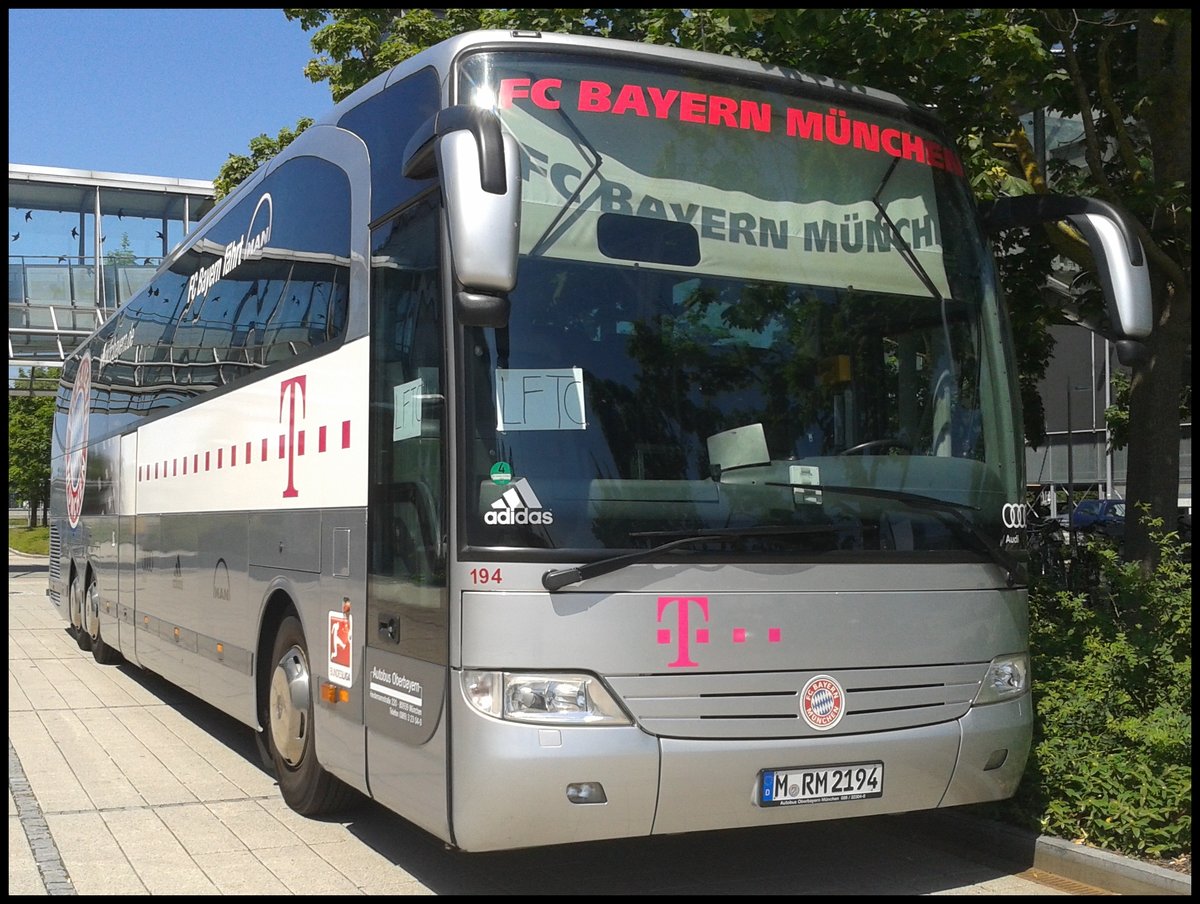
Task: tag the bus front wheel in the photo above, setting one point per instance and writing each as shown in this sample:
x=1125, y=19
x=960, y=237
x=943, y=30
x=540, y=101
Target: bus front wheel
x=304, y=783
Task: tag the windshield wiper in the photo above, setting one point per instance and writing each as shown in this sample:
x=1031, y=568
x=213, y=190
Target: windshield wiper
x=909, y=257
x=939, y=506
x=558, y=578
x=540, y=246
x=902, y=246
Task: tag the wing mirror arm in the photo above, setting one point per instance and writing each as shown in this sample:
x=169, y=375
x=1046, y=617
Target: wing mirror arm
x=483, y=124
x=1121, y=266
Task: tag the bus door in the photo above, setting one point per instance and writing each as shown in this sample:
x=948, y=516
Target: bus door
x=407, y=643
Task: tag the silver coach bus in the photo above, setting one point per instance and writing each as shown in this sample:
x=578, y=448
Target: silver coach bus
x=569, y=439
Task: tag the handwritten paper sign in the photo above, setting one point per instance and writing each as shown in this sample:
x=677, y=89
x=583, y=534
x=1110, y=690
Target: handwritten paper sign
x=407, y=399
x=548, y=399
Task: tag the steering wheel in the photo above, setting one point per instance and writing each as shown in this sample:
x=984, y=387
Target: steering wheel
x=885, y=446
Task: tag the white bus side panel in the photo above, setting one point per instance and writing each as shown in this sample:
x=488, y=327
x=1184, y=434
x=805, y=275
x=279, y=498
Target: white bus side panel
x=231, y=498
x=293, y=441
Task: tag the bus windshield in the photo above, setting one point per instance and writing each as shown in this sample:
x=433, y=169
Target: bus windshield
x=734, y=305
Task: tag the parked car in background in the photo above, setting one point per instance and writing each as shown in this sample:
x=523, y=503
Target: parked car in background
x=1103, y=516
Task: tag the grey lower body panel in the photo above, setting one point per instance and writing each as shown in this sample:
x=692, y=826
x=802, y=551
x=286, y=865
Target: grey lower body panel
x=509, y=780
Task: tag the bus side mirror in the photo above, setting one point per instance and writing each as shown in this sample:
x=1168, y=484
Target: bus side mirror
x=480, y=172
x=1120, y=260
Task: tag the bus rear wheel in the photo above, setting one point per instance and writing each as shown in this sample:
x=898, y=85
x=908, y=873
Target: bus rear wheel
x=101, y=652
x=304, y=783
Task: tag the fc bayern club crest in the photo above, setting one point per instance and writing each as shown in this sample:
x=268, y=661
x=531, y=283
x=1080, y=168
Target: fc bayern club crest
x=77, y=439
x=822, y=702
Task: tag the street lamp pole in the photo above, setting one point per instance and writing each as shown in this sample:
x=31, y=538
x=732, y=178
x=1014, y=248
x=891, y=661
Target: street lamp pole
x=1070, y=475
x=1108, y=453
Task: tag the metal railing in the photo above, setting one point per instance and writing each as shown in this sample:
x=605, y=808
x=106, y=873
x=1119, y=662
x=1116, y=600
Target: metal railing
x=53, y=303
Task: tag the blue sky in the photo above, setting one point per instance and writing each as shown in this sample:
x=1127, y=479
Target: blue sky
x=158, y=92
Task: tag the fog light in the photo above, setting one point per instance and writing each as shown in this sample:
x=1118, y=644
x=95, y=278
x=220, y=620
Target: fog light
x=586, y=793
x=996, y=760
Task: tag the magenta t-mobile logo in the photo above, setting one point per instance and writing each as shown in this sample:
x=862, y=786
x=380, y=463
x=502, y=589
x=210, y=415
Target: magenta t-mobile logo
x=288, y=389
x=684, y=636
x=682, y=619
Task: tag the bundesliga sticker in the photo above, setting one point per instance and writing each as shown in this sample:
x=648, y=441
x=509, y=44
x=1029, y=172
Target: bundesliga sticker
x=341, y=665
x=822, y=702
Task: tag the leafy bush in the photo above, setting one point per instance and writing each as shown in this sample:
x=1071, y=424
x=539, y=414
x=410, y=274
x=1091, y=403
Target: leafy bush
x=1112, y=690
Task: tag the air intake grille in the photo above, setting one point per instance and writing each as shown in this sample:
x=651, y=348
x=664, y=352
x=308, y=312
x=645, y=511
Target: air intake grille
x=55, y=564
x=767, y=704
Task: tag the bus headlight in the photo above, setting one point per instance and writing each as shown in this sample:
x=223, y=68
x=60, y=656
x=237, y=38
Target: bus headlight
x=563, y=699
x=1007, y=677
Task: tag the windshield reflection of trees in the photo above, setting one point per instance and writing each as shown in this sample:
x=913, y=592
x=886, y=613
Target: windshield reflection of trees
x=670, y=360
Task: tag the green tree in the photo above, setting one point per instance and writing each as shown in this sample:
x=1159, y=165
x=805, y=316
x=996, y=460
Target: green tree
x=1126, y=73
x=1111, y=762
x=123, y=256
x=239, y=167
x=30, y=419
x=355, y=45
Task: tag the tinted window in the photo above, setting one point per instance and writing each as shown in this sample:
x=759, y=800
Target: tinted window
x=267, y=282
x=386, y=122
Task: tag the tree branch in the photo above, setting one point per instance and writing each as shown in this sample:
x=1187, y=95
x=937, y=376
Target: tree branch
x=1108, y=102
x=1092, y=151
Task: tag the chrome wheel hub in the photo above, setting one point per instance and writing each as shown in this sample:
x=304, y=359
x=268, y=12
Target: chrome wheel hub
x=288, y=705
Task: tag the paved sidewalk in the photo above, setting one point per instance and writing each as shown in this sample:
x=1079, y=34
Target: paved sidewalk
x=122, y=784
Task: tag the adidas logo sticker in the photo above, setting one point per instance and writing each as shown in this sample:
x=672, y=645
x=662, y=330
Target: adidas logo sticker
x=518, y=505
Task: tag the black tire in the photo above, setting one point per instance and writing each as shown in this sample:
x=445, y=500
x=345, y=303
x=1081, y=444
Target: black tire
x=262, y=744
x=101, y=652
x=305, y=785
x=75, y=603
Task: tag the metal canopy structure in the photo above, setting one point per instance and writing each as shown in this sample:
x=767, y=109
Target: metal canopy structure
x=81, y=242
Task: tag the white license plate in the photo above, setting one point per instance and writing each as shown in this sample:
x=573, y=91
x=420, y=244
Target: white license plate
x=820, y=784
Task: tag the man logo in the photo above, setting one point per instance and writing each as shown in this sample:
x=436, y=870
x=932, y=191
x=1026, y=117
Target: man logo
x=518, y=505
x=220, y=583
